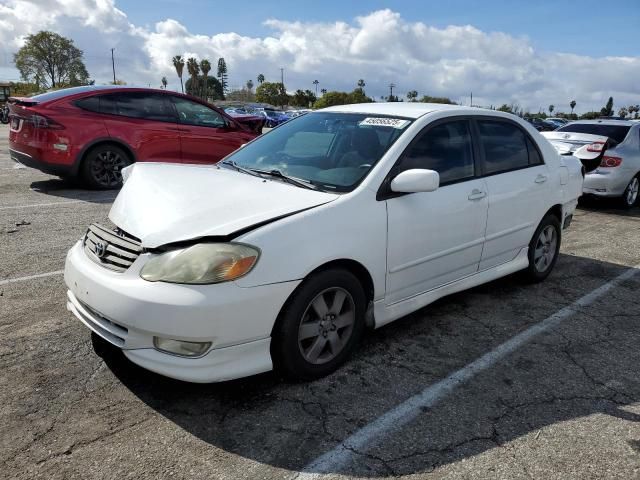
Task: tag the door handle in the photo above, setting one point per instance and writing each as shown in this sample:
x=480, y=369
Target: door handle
x=541, y=178
x=477, y=194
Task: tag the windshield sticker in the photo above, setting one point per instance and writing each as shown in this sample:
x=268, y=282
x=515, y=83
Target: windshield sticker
x=384, y=122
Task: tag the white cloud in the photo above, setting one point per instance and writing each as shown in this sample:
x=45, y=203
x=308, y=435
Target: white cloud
x=380, y=47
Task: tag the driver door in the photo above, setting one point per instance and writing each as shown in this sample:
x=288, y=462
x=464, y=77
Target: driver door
x=435, y=238
x=205, y=136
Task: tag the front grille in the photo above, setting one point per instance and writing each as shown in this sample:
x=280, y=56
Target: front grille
x=115, y=250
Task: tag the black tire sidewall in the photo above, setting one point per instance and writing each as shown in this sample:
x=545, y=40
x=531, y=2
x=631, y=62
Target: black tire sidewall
x=285, y=352
x=85, y=169
x=532, y=273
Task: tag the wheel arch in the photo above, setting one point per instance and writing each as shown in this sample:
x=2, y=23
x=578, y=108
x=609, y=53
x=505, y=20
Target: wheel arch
x=556, y=211
x=97, y=143
x=352, y=266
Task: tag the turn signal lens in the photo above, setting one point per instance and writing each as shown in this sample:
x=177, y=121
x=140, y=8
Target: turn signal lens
x=595, y=147
x=610, y=162
x=203, y=263
x=179, y=347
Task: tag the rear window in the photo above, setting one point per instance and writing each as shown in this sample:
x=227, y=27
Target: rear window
x=64, y=92
x=615, y=132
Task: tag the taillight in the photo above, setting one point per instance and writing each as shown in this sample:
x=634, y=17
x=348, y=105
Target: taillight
x=610, y=162
x=40, y=121
x=595, y=147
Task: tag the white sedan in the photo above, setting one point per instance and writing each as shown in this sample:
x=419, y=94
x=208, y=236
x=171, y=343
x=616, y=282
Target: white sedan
x=342, y=219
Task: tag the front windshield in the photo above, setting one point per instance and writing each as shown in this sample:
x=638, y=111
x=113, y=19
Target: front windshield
x=333, y=151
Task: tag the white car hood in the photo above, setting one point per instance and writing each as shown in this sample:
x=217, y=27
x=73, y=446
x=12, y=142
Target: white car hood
x=164, y=203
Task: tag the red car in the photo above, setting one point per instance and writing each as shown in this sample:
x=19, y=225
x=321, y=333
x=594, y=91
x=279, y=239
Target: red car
x=94, y=132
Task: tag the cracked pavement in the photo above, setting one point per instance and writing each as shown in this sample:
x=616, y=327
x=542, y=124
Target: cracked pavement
x=563, y=406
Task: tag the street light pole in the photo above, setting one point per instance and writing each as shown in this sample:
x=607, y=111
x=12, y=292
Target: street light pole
x=391, y=87
x=113, y=66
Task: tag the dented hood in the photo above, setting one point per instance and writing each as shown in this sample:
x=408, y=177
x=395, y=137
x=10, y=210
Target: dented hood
x=164, y=203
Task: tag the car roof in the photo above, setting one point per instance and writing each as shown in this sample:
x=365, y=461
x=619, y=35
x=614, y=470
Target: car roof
x=54, y=95
x=400, y=109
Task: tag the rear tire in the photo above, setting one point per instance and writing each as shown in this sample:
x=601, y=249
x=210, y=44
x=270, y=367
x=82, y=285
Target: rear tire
x=544, y=249
x=102, y=166
x=630, y=196
x=319, y=326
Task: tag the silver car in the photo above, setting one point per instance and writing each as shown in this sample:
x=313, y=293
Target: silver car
x=618, y=174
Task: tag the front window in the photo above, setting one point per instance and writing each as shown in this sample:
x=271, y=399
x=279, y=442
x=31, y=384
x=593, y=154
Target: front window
x=193, y=113
x=333, y=151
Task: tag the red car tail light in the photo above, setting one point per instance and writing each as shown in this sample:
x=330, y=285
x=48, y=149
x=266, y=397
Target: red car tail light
x=40, y=121
x=610, y=162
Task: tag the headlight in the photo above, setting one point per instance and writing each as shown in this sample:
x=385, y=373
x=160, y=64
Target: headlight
x=202, y=263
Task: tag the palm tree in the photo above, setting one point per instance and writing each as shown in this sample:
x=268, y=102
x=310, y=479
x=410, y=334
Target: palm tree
x=316, y=82
x=412, y=95
x=178, y=63
x=551, y=107
x=205, y=66
x=194, y=69
x=572, y=105
x=323, y=91
x=260, y=78
x=164, y=83
x=361, y=83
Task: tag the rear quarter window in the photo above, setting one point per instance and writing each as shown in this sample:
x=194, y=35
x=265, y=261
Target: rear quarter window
x=91, y=104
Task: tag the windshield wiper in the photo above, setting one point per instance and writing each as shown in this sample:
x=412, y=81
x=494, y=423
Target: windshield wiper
x=292, y=180
x=233, y=164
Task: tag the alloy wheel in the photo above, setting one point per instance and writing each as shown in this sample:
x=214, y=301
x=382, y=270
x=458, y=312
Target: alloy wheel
x=632, y=191
x=546, y=247
x=326, y=325
x=106, y=168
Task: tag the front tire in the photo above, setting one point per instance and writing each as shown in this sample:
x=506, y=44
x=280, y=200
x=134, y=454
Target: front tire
x=102, y=166
x=544, y=249
x=630, y=196
x=319, y=326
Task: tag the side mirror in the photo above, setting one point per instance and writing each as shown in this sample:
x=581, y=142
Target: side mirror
x=591, y=155
x=416, y=180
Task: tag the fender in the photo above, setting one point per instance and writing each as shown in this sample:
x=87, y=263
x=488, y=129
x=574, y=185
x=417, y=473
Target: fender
x=78, y=161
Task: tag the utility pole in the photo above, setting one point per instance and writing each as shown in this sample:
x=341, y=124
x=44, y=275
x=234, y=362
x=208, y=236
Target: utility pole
x=391, y=87
x=282, y=76
x=472, y=99
x=113, y=66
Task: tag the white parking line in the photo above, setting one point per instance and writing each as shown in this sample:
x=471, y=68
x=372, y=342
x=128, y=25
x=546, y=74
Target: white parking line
x=31, y=277
x=394, y=419
x=28, y=205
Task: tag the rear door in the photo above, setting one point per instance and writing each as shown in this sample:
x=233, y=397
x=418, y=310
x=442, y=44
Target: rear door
x=206, y=135
x=146, y=122
x=519, y=185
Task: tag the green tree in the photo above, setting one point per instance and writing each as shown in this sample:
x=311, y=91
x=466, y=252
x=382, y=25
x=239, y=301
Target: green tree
x=164, y=82
x=342, y=98
x=551, y=109
x=214, y=88
x=323, y=91
x=51, y=61
x=222, y=74
x=178, y=64
x=194, y=69
x=316, y=82
x=429, y=99
x=412, y=95
x=590, y=115
x=572, y=105
x=260, y=78
x=272, y=93
x=205, y=68
x=303, y=98
x=623, y=112
x=607, y=110
x=250, y=85
x=504, y=108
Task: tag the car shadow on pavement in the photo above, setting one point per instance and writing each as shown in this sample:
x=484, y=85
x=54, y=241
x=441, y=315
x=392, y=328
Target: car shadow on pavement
x=65, y=188
x=607, y=205
x=585, y=366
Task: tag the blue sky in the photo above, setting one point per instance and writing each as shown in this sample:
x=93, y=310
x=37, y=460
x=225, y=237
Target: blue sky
x=531, y=53
x=585, y=27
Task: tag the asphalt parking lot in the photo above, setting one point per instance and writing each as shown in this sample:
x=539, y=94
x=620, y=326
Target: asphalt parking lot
x=560, y=404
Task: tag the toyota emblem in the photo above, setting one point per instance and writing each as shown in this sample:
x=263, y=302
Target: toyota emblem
x=566, y=135
x=101, y=250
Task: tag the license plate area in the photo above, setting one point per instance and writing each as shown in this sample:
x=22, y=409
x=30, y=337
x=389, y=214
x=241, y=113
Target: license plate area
x=16, y=124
